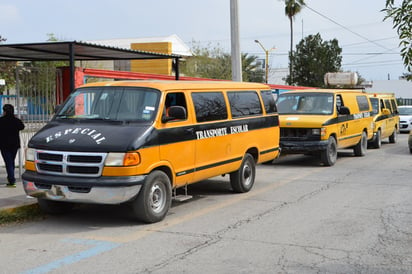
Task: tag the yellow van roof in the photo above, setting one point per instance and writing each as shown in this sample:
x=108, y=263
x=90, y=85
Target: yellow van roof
x=170, y=85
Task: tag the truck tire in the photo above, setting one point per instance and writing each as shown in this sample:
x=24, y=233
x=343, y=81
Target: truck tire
x=54, y=207
x=394, y=137
x=329, y=156
x=377, y=142
x=154, y=198
x=243, y=179
x=362, y=146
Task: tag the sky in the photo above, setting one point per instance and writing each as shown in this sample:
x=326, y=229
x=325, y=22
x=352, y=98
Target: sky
x=369, y=44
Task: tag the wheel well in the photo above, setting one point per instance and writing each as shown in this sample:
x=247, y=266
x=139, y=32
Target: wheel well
x=168, y=172
x=254, y=152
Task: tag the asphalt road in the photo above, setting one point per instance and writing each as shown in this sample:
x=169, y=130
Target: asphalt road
x=300, y=217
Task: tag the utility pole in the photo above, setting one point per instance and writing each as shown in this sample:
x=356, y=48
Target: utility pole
x=235, y=47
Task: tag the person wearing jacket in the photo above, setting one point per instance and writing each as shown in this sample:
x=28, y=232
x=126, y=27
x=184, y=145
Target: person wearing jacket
x=10, y=127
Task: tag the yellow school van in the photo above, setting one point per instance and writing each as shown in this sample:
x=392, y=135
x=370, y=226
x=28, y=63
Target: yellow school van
x=137, y=142
x=385, y=118
x=321, y=121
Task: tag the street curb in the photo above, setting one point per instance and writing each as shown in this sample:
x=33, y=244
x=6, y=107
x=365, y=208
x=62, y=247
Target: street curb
x=20, y=214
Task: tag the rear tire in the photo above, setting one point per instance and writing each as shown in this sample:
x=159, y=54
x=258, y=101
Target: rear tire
x=362, y=146
x=243, y=179
x=394, y=137
x=329, y=156
x=154, y=199
x=54, y=207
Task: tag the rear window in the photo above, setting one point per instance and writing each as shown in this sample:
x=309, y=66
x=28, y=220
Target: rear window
x=244, y=103
x=268, y=101
x=363, y=102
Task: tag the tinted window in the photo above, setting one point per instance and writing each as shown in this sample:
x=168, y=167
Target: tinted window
x=394, y=107
x=268, y=101
x=363, y=103
x=209, y=106
x=244, y=103
x=375, y=105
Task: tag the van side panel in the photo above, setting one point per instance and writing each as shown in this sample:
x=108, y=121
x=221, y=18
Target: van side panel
x=216, y=155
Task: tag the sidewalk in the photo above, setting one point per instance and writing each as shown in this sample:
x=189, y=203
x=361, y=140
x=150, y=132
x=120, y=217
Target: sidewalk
x=12, y=198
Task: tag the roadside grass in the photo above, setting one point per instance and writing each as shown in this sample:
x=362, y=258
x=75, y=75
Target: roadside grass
x=21, y=214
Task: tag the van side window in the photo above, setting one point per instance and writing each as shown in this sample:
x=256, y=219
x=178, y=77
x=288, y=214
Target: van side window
x=388, y=105
x=363, y=102
x=339, y=102
x=268, y=101
x=174, y=99
x=382, y=104
x=394, y=107
x=244, y=103
x=209, y=106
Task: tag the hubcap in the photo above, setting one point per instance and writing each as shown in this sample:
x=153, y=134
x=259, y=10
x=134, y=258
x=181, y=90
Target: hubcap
x=157, y=198
x=247, y=172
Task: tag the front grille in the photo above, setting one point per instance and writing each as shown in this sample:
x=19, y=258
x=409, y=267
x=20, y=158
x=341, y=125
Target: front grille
x=298, y=134
x=86, y=164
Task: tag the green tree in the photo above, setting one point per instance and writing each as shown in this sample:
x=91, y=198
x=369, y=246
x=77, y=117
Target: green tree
x=214, y=63
x=313, y=58
x=402, y=22
x=292, y=7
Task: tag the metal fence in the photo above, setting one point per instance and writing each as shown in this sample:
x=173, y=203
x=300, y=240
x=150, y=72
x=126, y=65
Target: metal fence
x=37, y=94
x=404, y=101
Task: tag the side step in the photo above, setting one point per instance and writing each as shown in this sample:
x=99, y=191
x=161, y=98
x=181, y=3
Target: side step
x=181, y=197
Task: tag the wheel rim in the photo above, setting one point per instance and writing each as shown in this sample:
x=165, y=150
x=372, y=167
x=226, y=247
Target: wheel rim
x=378, y=139
x=364, y=143
x=157, y=198
x=247, y=174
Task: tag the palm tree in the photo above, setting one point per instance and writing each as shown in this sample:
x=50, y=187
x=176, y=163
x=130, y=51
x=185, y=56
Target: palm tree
x=292, y=7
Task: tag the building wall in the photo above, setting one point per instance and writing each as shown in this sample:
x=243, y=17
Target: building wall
x=160, y=66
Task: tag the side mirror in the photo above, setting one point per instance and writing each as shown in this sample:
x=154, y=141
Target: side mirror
x=386, y=111
x=344, y=110
x=175, y=113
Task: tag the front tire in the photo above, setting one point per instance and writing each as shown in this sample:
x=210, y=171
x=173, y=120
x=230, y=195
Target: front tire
x=243, y=179
x=154, y=199
x=394, y=137
x=362, y=146
x=377, y=142
x=329, y=156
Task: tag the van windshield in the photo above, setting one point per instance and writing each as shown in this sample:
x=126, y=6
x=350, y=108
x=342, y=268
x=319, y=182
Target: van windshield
x=305, y=103
x=111, y=103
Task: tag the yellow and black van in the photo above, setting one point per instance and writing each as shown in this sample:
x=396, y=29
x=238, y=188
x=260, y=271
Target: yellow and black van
x=139, y=141
x=385, y=118
x=321, y=121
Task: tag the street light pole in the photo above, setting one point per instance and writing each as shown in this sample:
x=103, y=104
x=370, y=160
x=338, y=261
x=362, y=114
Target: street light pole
x=266, y=59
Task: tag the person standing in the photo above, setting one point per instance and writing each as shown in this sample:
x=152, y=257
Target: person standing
x=10, y=127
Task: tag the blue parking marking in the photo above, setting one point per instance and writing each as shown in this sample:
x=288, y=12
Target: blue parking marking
x=98, y=247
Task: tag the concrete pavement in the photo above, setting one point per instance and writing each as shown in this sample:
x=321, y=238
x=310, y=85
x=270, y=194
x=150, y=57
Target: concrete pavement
x=12, y=198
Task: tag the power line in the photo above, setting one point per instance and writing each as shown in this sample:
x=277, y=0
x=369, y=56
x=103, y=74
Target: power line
x=346, y=28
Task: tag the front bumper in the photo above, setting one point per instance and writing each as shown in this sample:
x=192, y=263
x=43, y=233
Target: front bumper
x=101, y=190
x=298, y=147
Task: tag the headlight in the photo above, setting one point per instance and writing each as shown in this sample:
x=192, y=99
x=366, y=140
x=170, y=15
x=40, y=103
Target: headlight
x=316, y=131
x=319, y=131
x=122, y=159
x=30, y=154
